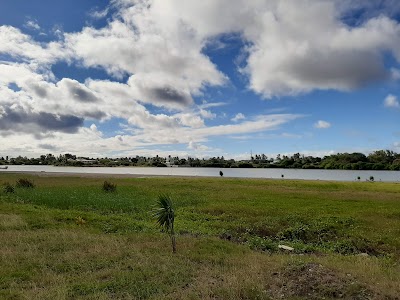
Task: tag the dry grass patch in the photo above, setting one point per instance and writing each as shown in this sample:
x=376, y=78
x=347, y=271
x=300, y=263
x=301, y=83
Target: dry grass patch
x=11, y=221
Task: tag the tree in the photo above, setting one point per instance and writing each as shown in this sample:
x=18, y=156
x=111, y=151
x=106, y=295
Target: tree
x=165, y=215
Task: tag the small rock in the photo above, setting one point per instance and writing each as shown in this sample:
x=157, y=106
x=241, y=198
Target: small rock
x=284, y=247
x=363, y=254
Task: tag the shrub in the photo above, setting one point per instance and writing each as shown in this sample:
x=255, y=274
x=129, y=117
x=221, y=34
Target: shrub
x=109, y=187
x=25, y=183
x=8, y=188
x=371, y=178
x=263, y=244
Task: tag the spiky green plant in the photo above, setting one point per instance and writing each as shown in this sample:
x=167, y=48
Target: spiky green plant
x=165, y=216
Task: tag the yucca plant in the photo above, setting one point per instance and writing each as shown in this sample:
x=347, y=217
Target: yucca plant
x=165, y=216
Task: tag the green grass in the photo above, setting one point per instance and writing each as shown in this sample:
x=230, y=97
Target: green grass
x=68, y=239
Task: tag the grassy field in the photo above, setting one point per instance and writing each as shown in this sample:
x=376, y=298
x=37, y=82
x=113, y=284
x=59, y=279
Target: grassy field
x=67, y=239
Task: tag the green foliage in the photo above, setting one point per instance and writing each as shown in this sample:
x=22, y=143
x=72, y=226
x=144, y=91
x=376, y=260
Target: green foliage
x=263, y=244
x=165, y=216
x=24, y=183
x=109, y=187
x=378, y=160
x=164, y=212
x=8, y=188
x=371, y=178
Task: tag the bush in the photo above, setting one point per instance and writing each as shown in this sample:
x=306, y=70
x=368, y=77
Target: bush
x=263, y=244
x=25, y=183
x=371, y=178
x=109, y=187
x=8, y=188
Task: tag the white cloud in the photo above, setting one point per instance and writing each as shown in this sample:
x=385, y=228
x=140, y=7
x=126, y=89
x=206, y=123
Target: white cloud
x=206, y=114
x=395, y=73
x=298, y=50
x=22, y=47
x=206, y=104
x=196, y=146
x=99, y=14
x=322, y=124
x=32, y=24
x=238, y=117
x=293, y=46
x=391, y=101
x=291, y=49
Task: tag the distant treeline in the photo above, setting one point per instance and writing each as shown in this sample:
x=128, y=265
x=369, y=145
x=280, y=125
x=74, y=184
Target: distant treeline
x=377, y=160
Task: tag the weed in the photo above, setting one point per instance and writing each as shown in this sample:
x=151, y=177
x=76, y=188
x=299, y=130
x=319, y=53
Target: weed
x=263, y=244
x=80, y=221
x=24, y=183
x=8, y=188
x=109, y=187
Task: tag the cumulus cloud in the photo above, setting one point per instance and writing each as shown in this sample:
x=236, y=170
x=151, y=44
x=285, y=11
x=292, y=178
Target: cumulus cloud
x=196, y=146
x=20, y=46
x=17, y=119
x=322, y=124
x=297, y=50
x=294, y=46
x=207, y=114
x=391, y=101
x=238, y=117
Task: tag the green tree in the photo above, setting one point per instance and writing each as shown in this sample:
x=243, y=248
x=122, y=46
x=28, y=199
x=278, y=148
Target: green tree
x=165, y=216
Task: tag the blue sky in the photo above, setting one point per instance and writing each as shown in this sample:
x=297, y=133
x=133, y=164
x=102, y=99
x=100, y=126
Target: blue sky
x=199, y=78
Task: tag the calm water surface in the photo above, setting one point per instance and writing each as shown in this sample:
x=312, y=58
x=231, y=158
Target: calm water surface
x=337, y=175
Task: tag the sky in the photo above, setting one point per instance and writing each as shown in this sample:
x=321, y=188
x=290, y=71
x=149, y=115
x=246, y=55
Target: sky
x=195, y=78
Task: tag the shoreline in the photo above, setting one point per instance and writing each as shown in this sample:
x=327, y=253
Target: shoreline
x=103, y=175
x=87, y=175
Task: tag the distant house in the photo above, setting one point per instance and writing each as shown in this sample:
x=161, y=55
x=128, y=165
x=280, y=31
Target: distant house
x=86, y=161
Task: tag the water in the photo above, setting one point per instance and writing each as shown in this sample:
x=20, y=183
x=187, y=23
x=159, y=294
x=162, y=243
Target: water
x=335, y=175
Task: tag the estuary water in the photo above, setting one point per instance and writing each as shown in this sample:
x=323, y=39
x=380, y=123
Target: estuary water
x=335, y=175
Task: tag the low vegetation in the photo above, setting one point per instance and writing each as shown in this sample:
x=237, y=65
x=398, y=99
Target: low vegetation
x=8, y=188
x=165, y=215
x=24, y=183
x=67, y=239
x=109, y=187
